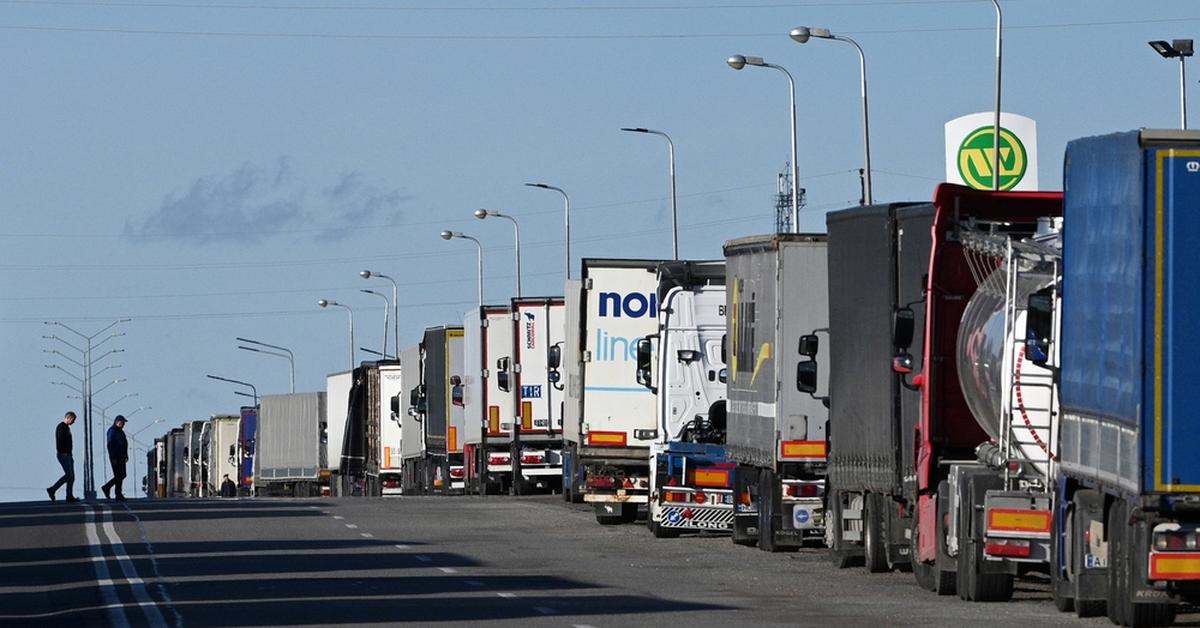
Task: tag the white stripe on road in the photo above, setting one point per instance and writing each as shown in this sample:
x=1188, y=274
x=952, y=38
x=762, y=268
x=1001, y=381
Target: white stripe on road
x=447, y=570
x=153, y=616
x=404, y=547
x=368, y=535
x=338, y=517
x=507, y=595
x=351, y=526
x=116, y=613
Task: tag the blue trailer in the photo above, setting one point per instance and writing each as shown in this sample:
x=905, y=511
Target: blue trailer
x=1127, y=514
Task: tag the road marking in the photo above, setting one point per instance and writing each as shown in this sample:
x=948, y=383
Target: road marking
x=403, y=547
x=158, y=579
x=474, y=583
x=149, y=609
x=425, y=559
x=545, y=610
x=352, y=526
x=338, y=517
x=582, y=626
x=447, y=570
x=368, y=535
x=507, y=595
x=116, y=613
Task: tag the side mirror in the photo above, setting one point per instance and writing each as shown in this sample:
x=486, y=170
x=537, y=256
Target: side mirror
x=554, y=357
x=396, y=405
x=723, y=375
x=232, y=451
x=1039, y=320
x=503, y=377
x=809, y=345
x=902, y=327
x=644, y=350
x=456, y=392
x=902, y=364
x=806, y=376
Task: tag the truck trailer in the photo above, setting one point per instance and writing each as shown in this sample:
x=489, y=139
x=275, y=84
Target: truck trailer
x=536, y=453
x=248, y=432
x=609, y=420
x=290, y=449
x=368, y=410
x=488, y=409
x=683, y=365
x=434, y=462
x=337, y=410
x=220, y=452
x=389, y=458
x=776, y=287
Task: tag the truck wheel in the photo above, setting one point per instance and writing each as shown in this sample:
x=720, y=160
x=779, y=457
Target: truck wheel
x=656, y=528
x=1122, y=569
x=874, y=548
x=944, y=567
x=974, y=585
x=840, y=553
x=768, y=507
x=743, y=532
x=1061, y=588
x=608, y=514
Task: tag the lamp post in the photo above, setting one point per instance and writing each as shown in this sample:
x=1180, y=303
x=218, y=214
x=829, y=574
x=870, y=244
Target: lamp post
x=387, y=305
x=287, y=353
x=566, y=222
x=1181, y=48
x=738, y=62
x=801, y=34
x=674, y=206
x=448, y=235
x=133, y=437
x=367, y=274
x=328, y=303
x=484, y=213
x=996, y=167
x=239, y=383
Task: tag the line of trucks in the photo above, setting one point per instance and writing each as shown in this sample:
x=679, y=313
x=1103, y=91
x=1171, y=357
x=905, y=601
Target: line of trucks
x=970, y=389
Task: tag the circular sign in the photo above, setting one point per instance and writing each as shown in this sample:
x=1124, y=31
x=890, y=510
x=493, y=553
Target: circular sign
x=975, y=159
x=800, y=516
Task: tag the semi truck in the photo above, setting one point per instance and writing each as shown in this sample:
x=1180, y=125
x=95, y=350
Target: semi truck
x=776, y=293
x=434, y=462
x=156, y=483
x=389, y=429
x=609, y=420
x=176, y=474
x=290, y=451
x=683, y=365
x=246, y=439
x=1126, y=519
x=220, y=453
x=373, y=385
x=877, y=258
x=337, y=409
x=538, y=328
x=488, y=410
x=193, y=435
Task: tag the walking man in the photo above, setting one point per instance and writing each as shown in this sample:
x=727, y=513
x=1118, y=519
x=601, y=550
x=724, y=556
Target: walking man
x=65, y=448
x=118, y=455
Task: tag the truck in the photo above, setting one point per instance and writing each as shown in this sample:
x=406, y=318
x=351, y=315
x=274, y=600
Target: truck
x=776, y=293
x=488, y=410
x=290, y=449
x=536, y=453
x=337, y=409
x=433, y=462
x=193, y=435
x=1127, y=514
x=369, y=410
x=156, y=466
x=877, y=258
x=389, y=429
x=609, y=420
x=248, y=431
x=220, y=452
x=683, y=365
x=176, y=472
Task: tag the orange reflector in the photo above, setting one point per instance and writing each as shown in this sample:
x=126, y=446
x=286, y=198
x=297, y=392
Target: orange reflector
x=708, y=477
x=493, y=419
x=527, y=415
x=608, y=439
x=1175, y=566
x=452, y=438
x=674, y=496
x=1018, y=520
x=802, y=449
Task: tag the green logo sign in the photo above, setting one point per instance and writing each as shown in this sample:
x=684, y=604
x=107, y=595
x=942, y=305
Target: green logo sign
x=975, y=159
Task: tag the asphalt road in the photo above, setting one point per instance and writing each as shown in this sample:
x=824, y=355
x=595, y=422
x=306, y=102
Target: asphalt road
x=439, y=560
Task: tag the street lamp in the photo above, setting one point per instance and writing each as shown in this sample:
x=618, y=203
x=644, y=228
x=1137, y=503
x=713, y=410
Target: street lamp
x=566, y=220
x=139, y=409
x=287, y=353
x=367, y=274
x=801, y=34
x=133, y=437
x=387, y=306
x=484, y=213
x=327, y=303
x=738, y=62
x=996, y=120
x=1181, y=48
x=674, y=208
x=239, y=383
x=447, y=235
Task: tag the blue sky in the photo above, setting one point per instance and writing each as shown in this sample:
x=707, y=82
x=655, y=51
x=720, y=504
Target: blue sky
x=212, y=170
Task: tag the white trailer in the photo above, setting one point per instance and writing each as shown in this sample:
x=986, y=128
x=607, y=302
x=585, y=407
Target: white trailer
x=609, y=420
x=488, y=411
x=390, y=385
x=538, y=327
x=337, y=411
x=221, y=452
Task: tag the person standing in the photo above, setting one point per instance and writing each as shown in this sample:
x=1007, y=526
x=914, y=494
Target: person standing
x=228, y=488
x=118, y=455
x=66, y=458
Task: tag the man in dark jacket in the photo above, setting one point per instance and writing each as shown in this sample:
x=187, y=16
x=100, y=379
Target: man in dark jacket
x=118, y=455
x=65, y=448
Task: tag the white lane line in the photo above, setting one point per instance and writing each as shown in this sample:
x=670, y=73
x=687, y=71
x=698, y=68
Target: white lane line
x=582, y=626
x=404, y=547
x=507, y=595
x=447, y=570
x=116, y=613
x=158, y=579
x=425, y=559
x=545, y=610
x=367, y=535
x=338, y=517
x=351, y=526
x=149, y=609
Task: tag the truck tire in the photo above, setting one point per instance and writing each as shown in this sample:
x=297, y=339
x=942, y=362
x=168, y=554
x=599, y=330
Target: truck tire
x=1122, y=569
x=768, y=509
x=944, y=576
x=1061, y=588
x=875, y=555
x=656, y=529
x=743, y=531
x=840, y=555
x=973, y=585
x=1083, y=501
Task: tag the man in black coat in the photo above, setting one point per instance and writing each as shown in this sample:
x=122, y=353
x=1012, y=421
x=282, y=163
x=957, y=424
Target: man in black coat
x=118, y=455
x=65, y=448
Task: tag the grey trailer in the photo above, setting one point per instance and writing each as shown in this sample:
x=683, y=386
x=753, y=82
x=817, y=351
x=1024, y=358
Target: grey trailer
x=290, y=447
